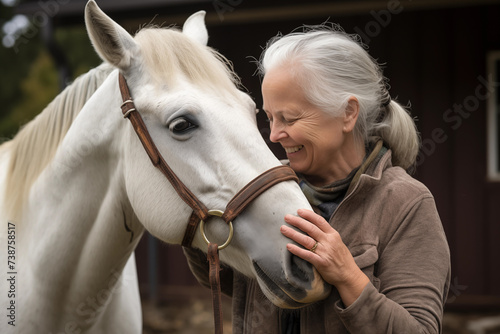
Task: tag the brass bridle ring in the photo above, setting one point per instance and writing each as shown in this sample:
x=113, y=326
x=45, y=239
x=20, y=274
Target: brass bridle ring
x=217, y=213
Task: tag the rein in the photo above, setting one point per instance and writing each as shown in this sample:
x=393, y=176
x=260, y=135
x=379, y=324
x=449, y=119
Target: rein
x=200, y=212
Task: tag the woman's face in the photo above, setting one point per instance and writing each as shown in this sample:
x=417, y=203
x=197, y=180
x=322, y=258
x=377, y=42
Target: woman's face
x=313, y=140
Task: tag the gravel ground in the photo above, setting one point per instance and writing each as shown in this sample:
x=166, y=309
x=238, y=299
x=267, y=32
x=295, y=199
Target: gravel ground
x=196, y=317
x=184, y=317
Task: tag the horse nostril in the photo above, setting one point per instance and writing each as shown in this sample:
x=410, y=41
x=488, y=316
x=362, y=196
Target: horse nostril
x=302, y=271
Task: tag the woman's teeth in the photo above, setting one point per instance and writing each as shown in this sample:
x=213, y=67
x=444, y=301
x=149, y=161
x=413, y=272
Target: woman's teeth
x=293, y=149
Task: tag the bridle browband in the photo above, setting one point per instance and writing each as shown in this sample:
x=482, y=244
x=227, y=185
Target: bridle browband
x=200, y=212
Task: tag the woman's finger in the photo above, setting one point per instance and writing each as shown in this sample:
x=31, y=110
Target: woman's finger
x=304, y=225
x=316, y=219
x=304, y=254
x=298, y=237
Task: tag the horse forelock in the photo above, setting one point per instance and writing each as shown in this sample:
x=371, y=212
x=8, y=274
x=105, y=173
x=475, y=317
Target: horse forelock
x=34, y=146
x=168, y=53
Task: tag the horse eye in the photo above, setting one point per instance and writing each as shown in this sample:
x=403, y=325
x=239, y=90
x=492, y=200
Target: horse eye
x=181, y=125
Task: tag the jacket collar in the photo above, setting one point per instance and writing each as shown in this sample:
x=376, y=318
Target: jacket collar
x=374, y=165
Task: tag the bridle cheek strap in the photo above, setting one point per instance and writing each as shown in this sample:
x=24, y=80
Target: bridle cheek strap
x=130, y=112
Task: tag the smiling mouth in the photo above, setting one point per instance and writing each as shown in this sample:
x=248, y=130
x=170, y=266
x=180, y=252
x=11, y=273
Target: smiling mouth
x=293, y=149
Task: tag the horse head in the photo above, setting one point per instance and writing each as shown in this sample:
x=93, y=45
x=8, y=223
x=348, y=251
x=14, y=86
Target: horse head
x=206, y=130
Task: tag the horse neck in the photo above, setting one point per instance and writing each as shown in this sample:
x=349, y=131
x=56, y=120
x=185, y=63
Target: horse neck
x=79, y=227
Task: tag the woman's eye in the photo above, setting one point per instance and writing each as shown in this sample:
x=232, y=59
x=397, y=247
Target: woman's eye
x=181, y=125
x=288, y=120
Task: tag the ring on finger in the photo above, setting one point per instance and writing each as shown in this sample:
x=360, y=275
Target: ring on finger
x=313, y=248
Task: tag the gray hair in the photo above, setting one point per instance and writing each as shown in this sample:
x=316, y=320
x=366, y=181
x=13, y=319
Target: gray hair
x=332, y=66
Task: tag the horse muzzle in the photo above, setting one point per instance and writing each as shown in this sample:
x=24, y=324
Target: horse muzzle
x=295, y=285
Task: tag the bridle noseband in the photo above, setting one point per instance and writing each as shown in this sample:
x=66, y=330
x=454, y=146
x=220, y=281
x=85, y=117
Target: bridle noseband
x=200, y=212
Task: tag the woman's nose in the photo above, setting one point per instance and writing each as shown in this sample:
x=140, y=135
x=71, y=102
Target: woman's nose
x=277, y=132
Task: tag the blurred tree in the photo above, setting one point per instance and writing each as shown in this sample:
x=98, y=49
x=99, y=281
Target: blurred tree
x=29, y=79
x=37, y=90
x=80, y=54
x=14, y=67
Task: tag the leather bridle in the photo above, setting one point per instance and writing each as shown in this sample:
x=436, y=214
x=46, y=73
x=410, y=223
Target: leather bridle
x=200, y=212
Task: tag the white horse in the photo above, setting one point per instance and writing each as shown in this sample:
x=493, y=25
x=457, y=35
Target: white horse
x=78, y=190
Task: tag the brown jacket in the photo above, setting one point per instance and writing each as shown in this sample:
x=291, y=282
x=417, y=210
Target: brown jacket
x=390, y=223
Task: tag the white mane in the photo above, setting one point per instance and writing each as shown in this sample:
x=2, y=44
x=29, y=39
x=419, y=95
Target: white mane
x=35, y=144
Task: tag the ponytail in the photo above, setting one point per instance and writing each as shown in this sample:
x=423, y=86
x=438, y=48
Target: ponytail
x=398, y=131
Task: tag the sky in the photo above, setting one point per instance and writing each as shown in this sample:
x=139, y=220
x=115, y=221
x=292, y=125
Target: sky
x=13, y=28
x=9, y=3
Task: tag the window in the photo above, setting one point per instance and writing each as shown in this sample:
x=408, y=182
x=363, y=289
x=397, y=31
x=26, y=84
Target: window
x=493, y=73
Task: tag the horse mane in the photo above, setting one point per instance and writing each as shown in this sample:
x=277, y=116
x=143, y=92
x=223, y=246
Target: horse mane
x=35, y=144
x=168, y=53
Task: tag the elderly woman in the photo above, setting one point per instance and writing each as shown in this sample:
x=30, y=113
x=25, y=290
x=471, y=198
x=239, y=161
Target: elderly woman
x=375, y=235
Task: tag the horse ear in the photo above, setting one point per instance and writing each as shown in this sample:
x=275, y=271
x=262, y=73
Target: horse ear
x=195, y=28
x=113, y=43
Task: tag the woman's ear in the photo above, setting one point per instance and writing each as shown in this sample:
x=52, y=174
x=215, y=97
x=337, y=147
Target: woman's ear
x=351, y=114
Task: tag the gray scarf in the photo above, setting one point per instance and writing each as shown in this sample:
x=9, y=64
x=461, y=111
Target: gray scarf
x=326, y=199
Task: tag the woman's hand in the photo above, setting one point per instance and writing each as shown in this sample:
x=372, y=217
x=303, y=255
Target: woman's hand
x=330, y=257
